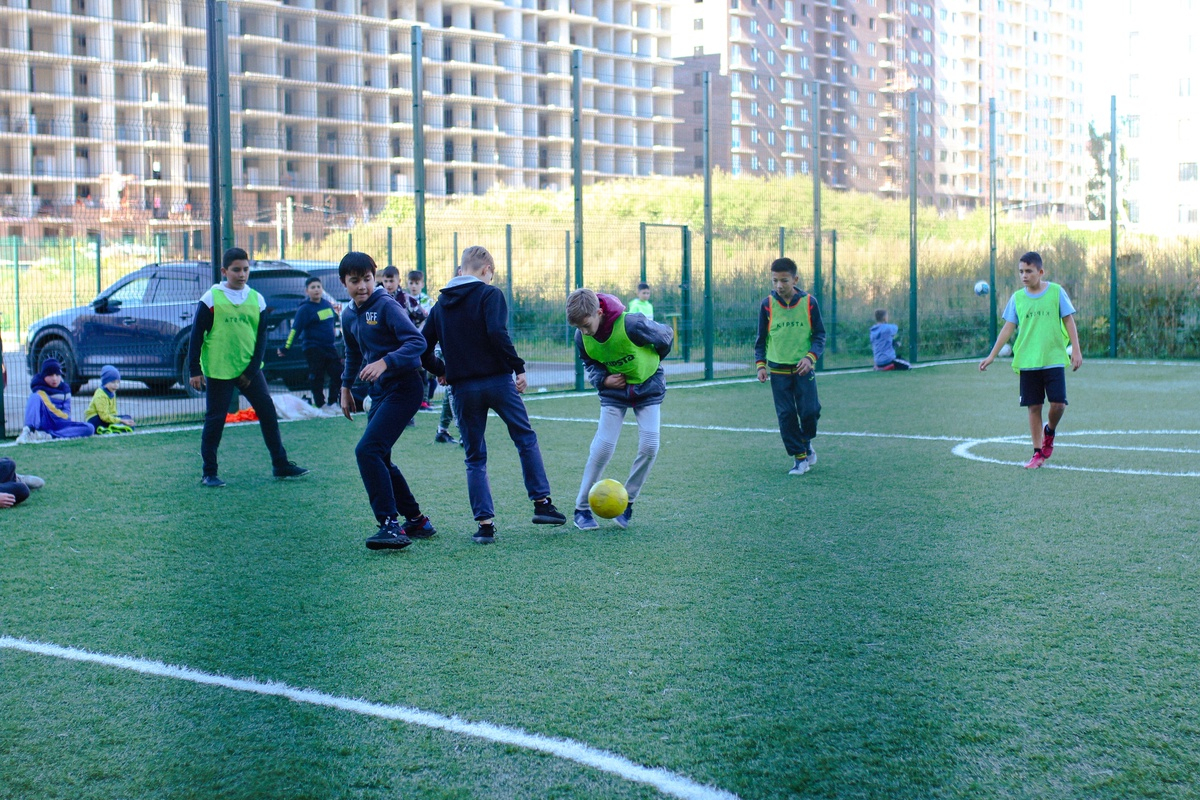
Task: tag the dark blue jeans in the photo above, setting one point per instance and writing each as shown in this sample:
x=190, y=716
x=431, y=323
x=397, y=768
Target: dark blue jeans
x=798, y=410
x=324, y=362
x=472, y=400
x=216, y=406
x=9, y=483
x=387, y=490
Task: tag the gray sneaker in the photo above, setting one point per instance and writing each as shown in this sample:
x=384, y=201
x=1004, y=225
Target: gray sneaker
x=585, y=521
x=800, y=467
x=812, y=456
x=32, y=481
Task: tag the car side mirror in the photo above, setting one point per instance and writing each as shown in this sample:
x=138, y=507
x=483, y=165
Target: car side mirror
x=106, y=305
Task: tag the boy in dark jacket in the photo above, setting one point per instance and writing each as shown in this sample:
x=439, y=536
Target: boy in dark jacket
x=384, y=348
x=470, y=321
x=623, y=355
x=315, y=325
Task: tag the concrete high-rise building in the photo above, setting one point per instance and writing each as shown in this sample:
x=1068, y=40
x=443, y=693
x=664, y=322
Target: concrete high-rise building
x=103, y=104
x=1158, y=108
x=869, y=59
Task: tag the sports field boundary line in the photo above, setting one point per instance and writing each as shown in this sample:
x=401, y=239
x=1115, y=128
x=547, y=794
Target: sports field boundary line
x=667, y=782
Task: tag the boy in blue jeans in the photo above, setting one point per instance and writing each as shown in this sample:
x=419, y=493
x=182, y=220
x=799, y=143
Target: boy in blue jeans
x=469, y=320
x=791, y=337
x=383, y=348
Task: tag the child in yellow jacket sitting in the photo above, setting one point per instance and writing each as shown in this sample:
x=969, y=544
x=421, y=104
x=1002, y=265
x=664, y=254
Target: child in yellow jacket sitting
x=102, y=413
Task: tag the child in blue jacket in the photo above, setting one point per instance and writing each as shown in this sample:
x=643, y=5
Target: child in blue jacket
x=49, y=405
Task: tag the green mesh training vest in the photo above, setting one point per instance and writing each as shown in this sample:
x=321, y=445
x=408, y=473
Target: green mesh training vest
x=229, y=344
x=789, y=332
x=637, y=363
x=1041, y=335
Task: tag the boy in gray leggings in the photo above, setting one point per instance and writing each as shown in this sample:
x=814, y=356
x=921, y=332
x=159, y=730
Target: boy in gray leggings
x=622, y=354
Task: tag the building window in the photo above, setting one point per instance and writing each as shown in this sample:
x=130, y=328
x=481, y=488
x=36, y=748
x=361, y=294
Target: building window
x=735, y=164
x=698, y=135
x=698, y=161
x=697, y=106
x=1133, y=126
x=1185, y=87
x=1188, y=171
x=698, y=24
x=698, y=50
x=1135, y=169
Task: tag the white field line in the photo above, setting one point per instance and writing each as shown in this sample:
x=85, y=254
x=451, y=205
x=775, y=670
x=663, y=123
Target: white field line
x=665, y=781
x=965, y=450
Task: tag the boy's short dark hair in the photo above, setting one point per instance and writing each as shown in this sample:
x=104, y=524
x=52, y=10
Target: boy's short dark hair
x=784, y=264
x=1032, y=259
x=390, y=272
x=416, y=275
x=233, y=254
x=355, y=263
x=311, y=280
x=880, y=314
x=643, y=285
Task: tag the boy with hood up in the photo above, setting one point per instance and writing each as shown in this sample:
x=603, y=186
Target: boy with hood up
x=49, y=406
x=470, y=321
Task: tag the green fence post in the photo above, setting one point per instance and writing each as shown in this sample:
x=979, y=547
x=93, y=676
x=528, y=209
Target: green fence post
x=782, y=241
x=833, y=291
x=577, y=180
x=74, y=275
x=642, y=248
x=454, y=256
x=708, y=233
x=685, y=303
x=567, y=260
x=1112, y=242
x=16, y=255
x=391, y=261
x=508, y=276
x=912, y=226
x=349, y=242
x=158, y=248
x=418, y=123
x=187, y=244
x=992, y=323
x=99, y=238
x=816, y=179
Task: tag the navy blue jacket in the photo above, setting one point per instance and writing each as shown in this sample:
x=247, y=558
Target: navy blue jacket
x=380, y=329
x=470, y=320
x=312, y=331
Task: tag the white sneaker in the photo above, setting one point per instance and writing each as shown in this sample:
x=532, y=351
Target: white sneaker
x=32, y=481
x=812, y=456
x=800, y=467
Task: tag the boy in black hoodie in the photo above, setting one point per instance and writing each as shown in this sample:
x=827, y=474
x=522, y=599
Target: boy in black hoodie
x=380, y=335
x=470, y=321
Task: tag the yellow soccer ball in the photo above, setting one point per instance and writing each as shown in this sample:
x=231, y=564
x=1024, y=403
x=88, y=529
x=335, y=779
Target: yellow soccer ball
x=607, y=498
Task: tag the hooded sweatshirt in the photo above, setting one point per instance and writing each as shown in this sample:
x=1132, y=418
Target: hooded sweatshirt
x=642, y=332
x=470, y=320
x=377, y=329
x=49, y=410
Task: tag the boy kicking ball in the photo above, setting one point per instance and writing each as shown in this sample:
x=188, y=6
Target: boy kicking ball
x=622, y=353
x=1047, y=323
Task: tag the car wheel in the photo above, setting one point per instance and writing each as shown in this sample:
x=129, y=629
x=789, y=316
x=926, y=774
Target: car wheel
x=159, y=387
x=185, y=375
x=60, y=350
x=296, y=380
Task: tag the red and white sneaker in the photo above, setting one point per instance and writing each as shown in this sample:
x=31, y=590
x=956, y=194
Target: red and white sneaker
x=1047, y=441
x=1037, y=460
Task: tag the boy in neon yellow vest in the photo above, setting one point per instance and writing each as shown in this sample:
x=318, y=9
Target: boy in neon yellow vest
x=622, y=354
x=1046, y=321
x=791, y=337
x=641, y=304
x=229, y=336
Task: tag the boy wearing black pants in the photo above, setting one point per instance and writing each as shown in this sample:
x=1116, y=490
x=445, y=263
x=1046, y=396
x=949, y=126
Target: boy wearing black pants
x=226, y=353
x=384, y=348
x=470, y=321
x=314, y=324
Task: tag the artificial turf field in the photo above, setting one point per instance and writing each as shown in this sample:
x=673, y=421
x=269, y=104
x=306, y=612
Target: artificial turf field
x=901, y=622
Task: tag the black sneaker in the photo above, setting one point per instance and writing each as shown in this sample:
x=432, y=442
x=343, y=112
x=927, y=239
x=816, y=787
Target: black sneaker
x=444, y=437
x=625, y=516
x=289, y=470
x=485, y=535
x=419, y=528
x=390, y=536
x=544, y=513
x=212, y=482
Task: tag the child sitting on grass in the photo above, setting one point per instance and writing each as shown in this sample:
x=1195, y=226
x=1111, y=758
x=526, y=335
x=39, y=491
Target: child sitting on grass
x=102, y=413
x=49, y=407
x=883, y=343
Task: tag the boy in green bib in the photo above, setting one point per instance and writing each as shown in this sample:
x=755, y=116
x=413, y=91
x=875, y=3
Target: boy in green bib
x=226, y=349
x=791, y=337
x=1044, y=319
x=622, y=354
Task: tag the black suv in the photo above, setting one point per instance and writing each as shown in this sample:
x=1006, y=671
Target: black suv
x=141, y=325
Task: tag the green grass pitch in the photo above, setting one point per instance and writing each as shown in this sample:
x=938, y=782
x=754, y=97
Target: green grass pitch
x=902, y=622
